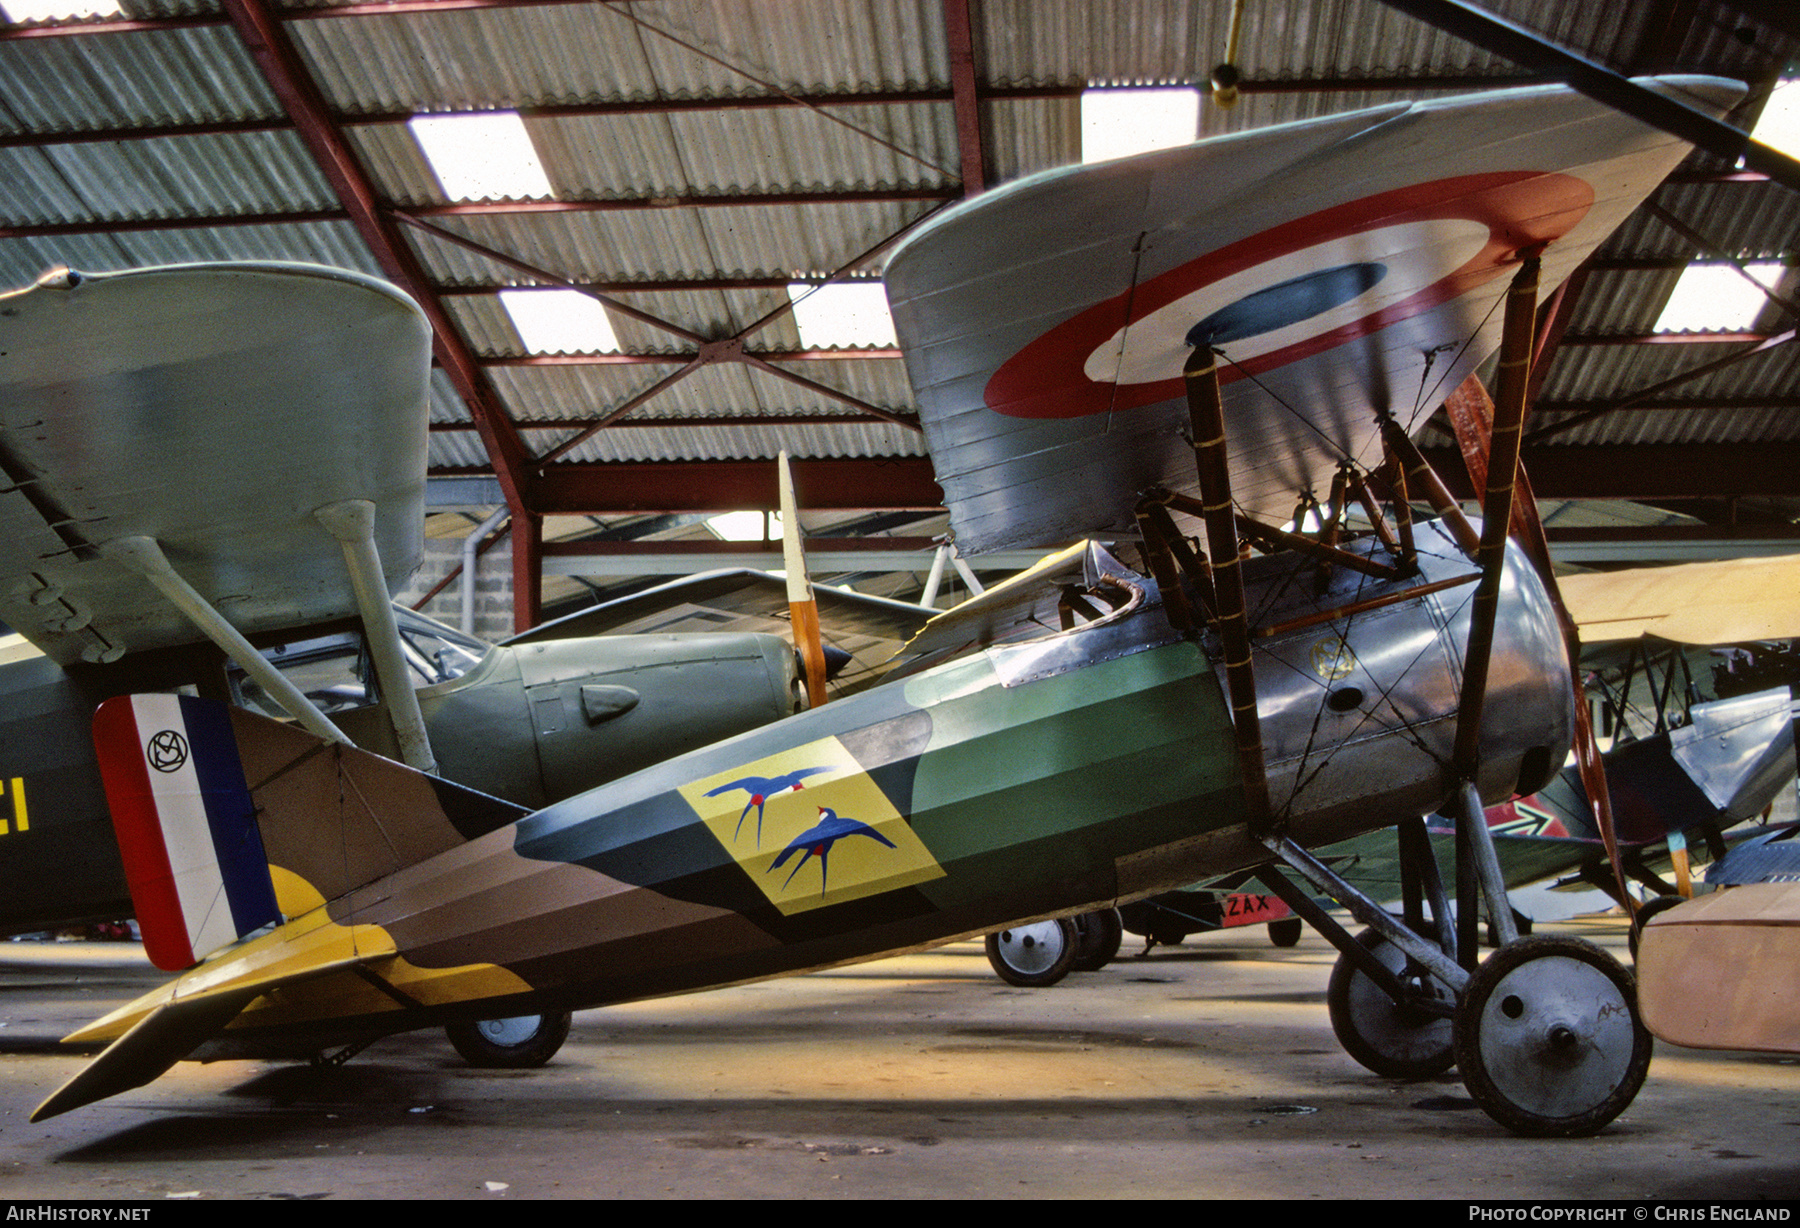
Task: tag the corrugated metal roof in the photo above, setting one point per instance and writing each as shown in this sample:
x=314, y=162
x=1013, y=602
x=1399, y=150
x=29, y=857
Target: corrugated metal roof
x=371, y=69
x=154, y=77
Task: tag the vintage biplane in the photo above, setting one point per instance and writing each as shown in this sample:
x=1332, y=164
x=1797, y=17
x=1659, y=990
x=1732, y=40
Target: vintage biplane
x=1283, y=305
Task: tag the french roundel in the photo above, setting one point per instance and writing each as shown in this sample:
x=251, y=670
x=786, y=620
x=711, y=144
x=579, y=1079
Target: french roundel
x=1290, y=292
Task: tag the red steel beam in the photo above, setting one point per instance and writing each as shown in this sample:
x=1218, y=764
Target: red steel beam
x=299, y=96
x=1611, y=339
x=527, y=570
x=726, y=486
x=652, y=285
x=1693, y=404
x=959, y=42
x=51, y=230
x=549, y=110
x=667, y=360
x=669, y=423
x=1645, y=472
x=483, y=208
x=695, y=200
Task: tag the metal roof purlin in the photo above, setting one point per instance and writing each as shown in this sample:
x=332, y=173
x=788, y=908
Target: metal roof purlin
x=772, y=86
x=545, y=275
x=495, y=208
x=1718, y=252
x=280, y=65
x=726, y=350
x=737, y=485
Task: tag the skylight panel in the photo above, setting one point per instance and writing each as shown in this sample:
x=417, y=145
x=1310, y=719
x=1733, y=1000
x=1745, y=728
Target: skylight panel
x=1779, y=124
x=560, y=322
x=58, y=10
x=1715, y=298
x=1118, y=123
x=842, y=314
x=481, y=157
x=746, y=526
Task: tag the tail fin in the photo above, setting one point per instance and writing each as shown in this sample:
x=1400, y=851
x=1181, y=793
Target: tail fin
x=186, y=824
x=199, y=842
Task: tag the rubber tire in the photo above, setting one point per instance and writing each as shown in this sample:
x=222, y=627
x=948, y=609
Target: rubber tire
x=480, y=1046
x=1098, y=938
x=1022, y=954
x=1502, y=1037
x=1358, y=1006
x=1286, y=932
x=1646, y=910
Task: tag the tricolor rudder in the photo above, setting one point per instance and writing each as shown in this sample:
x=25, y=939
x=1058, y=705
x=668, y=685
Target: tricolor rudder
x=186, y=825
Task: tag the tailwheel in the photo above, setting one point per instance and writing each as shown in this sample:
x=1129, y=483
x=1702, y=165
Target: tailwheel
x=1393, y=1039
x=1548, y=1037
x=1033, y=956
x=517, y=1043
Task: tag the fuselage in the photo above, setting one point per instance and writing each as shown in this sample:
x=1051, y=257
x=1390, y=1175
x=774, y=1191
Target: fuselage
x=1029, y=779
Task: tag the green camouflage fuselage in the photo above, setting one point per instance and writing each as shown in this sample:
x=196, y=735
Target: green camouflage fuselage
x=960, y=804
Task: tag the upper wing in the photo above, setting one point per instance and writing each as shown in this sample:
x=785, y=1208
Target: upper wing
x=1341, y=265
x=1733, y=601
x=212, y=408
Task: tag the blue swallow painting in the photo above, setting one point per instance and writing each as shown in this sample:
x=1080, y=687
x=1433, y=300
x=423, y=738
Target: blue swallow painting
x=816, y=841
x=761, y=789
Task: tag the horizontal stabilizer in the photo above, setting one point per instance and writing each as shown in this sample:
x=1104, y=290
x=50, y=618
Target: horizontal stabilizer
x=161, y=1038
x=194, y=1009
x=186, y=824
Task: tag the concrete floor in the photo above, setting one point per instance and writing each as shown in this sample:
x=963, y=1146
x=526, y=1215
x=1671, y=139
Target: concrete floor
x=1208, y=1070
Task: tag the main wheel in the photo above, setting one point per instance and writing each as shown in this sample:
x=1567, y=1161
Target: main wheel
x=1549, y=1039
x=1033, y=956
x=518, y=1043
x=1395, y=1040
x=1286, y=932
x=1098, y=938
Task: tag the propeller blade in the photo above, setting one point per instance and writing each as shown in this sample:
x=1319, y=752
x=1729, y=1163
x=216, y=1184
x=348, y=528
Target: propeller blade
x=808, y=641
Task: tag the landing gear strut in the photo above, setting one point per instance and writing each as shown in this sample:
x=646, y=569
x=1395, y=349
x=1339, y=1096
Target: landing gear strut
x=1546, y=1031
